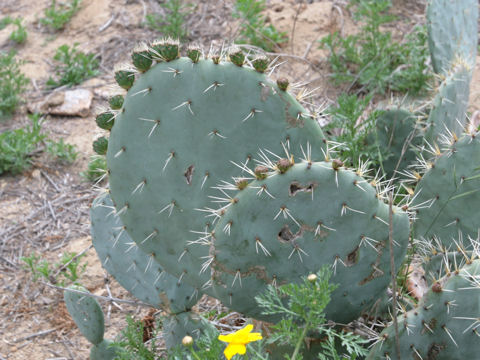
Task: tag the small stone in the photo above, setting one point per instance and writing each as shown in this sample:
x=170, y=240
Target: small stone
x=76, y=103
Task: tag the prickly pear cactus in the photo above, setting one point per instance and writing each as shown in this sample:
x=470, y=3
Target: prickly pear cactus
x=449, y=111
x=88, y=316
x=133, y=269
x=397, y=132
x=182, y=125
x=443, y=326
x=452, y=32
x=448, y=193
x=293, y=220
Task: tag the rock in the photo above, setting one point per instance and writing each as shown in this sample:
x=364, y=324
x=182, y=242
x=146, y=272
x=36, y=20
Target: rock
x=65, y=103
x=76, y=103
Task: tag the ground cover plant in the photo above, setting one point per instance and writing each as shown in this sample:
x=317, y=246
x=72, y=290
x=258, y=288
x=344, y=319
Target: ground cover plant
x=18, y=146
x=253, y=27
x=173, y=23
x=74, y=66
x=371, y=61
x=58, y=14
x=13, y=83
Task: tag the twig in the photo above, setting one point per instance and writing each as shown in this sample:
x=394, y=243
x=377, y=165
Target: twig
x=64, y=266
x=107, y=24
x=292, y=35
x=104, y=298
x=50, y=180
x=393, y=274
x=8, y=262
x=40, y=333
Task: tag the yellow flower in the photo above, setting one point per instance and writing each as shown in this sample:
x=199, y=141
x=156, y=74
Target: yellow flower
x=237, y=341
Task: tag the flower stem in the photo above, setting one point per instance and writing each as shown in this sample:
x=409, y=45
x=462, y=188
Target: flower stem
x=300, y=340
x=195, y=354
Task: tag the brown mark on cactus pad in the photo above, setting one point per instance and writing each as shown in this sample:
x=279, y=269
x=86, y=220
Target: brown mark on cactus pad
x=189, y=174
x=286, y=236
x=296, y=187
x=352, y=258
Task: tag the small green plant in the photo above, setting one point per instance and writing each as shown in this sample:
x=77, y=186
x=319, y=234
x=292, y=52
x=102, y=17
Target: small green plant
x=371, y=61
x=57, y=15
x=173, y=23
x=253, y=28
x=61, y=151
x=301, y=308
x=96, y=169
x=74, y=66
x=12, y=83
x=19, y=35
x=4, y=22
x=67, y=270
x=131, y=345
x=348, y=128
x=17, y=147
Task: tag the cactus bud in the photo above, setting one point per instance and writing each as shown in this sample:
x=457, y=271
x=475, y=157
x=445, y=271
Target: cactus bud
x=282, y=84
x=241, y=184
x=105, y=120
x=216, y=59
x=261, y=63
x=337, y=164
x=141, y=58
x=187, y=341
x=237, y=56
x=116, y=102
x=168, y=49
x=283, y=165
x=194, y=53
x=100, y=145
x=261, y=172
x=124, y=78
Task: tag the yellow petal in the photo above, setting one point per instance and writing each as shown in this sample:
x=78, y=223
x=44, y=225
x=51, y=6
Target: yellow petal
x=254, y=337
x=227, y=338
x=233, y=349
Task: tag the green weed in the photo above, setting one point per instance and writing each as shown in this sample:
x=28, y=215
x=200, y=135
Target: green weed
x=301, y=307
x=96, y=169
x=5, y=21
x=19, y=35
x=64, y=153
x=371, y=61
x=17, y=147
x=57, y=15
x=253, y=27
x=131, y=345
x=67, y=270
x=13, y=83
x=350, y=127
x=74, y=66
x=173, y=23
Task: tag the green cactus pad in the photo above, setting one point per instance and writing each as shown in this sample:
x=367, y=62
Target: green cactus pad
x=176, y=327
x=291, y=224
x=449, y=111
x=449, y=192
x=104, y=351
x=397, y=131
x=452, y=32
x=100, y=145
x=132, y=268
x=444, y=326
x=181, y=137
x=87, y=314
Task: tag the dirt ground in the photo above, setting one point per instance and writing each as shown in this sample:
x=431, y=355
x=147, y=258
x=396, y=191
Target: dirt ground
x=46, y=209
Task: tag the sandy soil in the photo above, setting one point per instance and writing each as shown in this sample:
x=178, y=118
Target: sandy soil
x=35, y=323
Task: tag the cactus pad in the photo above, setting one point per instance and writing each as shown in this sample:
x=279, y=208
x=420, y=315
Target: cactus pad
x=293, y=223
